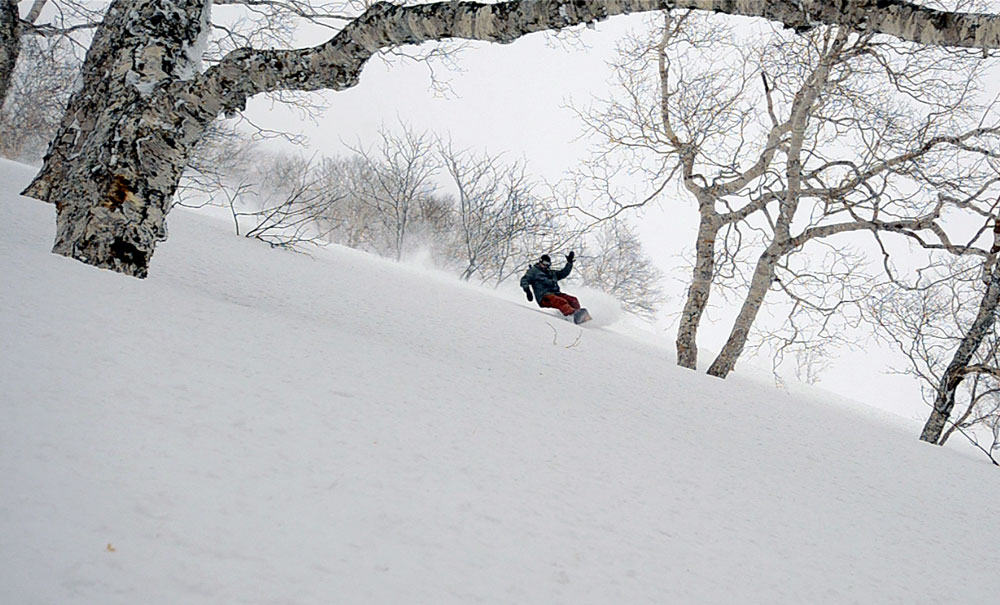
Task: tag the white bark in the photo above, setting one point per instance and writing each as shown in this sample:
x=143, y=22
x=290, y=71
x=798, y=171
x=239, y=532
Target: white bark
x=761, y=281
x=113, y=167
x=709, y=226
x=955, y=373
x=699, y=290
x=943, y=323
x=898, y=18
x=764, y=276
x=709, y=198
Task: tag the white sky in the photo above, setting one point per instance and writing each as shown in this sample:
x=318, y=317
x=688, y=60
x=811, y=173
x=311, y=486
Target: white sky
x=513, y=99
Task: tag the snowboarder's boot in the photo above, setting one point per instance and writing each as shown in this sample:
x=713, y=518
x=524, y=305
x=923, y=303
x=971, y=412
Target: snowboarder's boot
x=580, y=316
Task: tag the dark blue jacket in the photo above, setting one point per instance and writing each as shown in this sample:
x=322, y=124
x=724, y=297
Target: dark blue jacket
x=544, y=281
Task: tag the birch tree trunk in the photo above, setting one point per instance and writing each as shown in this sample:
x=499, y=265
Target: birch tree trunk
x=10, y=44
x=782, y=244
x=699, y=290
x=128, y=133
x=711, y=222
x=114, y=165
x=956, y=371
x=763, y=277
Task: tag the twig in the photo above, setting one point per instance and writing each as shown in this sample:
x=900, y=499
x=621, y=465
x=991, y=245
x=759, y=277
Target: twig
x=577, y=341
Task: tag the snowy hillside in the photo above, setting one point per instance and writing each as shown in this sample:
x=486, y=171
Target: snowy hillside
x=256, y=426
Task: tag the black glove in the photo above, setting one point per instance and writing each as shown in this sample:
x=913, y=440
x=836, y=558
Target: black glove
x=570, y=256
x=528, y=293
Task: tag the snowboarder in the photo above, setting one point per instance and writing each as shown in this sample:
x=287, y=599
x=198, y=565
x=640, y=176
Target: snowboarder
x=544, y=281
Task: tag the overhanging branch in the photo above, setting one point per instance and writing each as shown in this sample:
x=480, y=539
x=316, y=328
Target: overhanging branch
x=337, y=63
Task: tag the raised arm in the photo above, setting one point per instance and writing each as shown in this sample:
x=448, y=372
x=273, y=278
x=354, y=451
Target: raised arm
x=564, y=272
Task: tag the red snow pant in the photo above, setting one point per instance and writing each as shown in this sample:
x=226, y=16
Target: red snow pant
x=562, y=301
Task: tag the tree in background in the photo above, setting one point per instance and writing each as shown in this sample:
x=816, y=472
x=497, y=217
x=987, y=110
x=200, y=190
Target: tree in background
x=478, y=215
x=41, y=53
x=66, y=28
x=38, y=92
x=224, y=151
x=616, y=264
x=681, y=115
x=496, y=206
x=944, y=324
x=402, y=168
x=785, y=140
x=881, y=134
x=352, y=222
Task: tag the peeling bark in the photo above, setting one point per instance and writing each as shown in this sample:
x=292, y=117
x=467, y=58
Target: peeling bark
x=130, y=130
x=10, y=44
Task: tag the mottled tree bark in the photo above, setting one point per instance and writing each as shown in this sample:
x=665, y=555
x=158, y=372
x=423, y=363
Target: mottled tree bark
x=111, y=169
x=130, y=130
x=10, y=44
x=956, y=371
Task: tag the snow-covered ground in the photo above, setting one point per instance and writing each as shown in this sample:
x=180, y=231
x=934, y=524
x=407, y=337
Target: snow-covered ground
x=256, y=426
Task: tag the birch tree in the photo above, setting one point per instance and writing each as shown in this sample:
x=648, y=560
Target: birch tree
x=961, y=366
x=736, y=120
x=944, y=324
x=144, y=103
x=55, y=24
x=697, y=105
x=691, y=110
x=13, y=28
x=259, y=23
x=846, y=171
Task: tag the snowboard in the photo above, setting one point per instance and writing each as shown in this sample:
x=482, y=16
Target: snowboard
x=581, y=316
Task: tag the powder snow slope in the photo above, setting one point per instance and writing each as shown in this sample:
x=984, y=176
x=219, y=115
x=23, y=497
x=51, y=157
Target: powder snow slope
x=256, y=426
